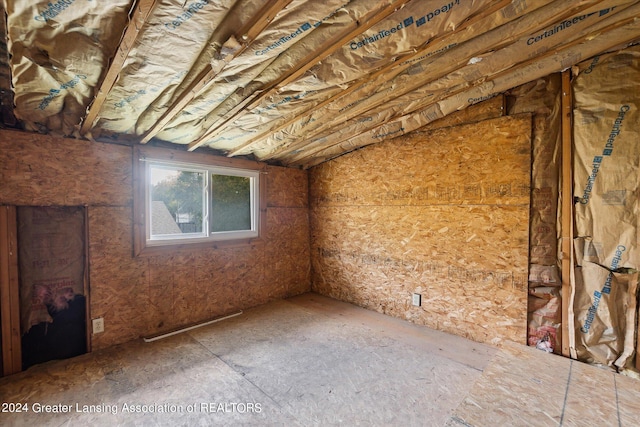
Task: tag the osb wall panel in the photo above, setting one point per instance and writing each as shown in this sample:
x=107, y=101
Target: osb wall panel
x=289, y=262
x=442, y=213
x=287, y=187
x=181, y=289
x=288, y=267
x=485, y=163
x=147, y=295
x=40, y=170
x=117, y=282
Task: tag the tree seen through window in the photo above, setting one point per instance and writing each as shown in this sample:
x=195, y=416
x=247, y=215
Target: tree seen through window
x=182, y=192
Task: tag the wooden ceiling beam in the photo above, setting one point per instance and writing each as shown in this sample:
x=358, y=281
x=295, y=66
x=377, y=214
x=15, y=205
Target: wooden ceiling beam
x=539, y=18
x=594, y=36
x=7, y=116
x=235, y=45
x=310, y=60
x=394, y=68
x=612, y=35
x=139, y=16
x=566, y=210
x=385, y=74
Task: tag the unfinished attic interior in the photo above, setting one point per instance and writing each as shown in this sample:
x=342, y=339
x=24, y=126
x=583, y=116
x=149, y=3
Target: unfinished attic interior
x=326, y=212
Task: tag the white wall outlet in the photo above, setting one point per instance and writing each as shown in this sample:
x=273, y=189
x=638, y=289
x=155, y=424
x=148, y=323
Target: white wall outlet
x=417, y=300
x=98, y=325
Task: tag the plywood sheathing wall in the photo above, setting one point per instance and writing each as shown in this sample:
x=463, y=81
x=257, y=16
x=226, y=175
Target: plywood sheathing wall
x=444, y=213
x=541, y=98
x=141, y=296
x=606, y=187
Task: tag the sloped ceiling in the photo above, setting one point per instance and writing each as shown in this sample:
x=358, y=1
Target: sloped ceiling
x=291, y=82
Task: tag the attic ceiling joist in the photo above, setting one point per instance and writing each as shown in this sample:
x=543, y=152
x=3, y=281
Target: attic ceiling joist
x=235, y=46
x=324, y=114
x=290, y=82
x=416, y=100
x=394, y=67
x=500, y=83
x=400, y=85
x=326, y=49
x=141, y=12
x=455, y=60
x=6, y=94
x=626, y=30
x=386, y=78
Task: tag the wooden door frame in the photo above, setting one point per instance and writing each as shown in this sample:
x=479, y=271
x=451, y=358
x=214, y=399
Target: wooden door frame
x=11, y=337
x=9, y=292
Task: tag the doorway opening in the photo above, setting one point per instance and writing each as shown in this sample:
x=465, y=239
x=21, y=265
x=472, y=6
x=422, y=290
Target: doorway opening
x=52, y=270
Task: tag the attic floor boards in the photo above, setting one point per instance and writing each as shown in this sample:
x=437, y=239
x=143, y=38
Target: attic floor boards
x=310, y=360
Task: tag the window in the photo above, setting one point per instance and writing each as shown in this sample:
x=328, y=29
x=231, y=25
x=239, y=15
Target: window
x=186, y=202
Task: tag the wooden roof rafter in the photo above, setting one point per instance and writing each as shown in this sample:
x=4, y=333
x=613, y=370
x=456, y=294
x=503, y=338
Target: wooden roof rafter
x=614, y=35
x=392, y=68
x=623, y=30
x=326, y=49
x=491, y=40
x=234, y=46
x=6, y=93
x=139, y=15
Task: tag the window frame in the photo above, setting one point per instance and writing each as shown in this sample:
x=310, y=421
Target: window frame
x=145, y=156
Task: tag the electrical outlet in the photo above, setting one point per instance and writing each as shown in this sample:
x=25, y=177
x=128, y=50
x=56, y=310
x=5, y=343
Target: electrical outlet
x=417, y=300
x=98, y=325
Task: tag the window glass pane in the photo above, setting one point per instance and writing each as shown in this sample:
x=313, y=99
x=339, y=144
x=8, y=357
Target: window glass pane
x=177, y=201
x=231, y=203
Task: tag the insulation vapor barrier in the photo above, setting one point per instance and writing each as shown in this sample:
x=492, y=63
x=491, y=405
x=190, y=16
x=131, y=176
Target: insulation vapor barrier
x=512, y=77
x=606, y=183
x=432, y=63
x=605, y=308
x=176, y=35
x=406, y=30
x=403, y=32
x=483, y=62
x=542, y=98
x=607, y=145
x=296, y=30
x=48, y=76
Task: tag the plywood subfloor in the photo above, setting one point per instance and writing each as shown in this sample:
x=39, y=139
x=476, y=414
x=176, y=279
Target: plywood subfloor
x=525, y=386
x=311, y=360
